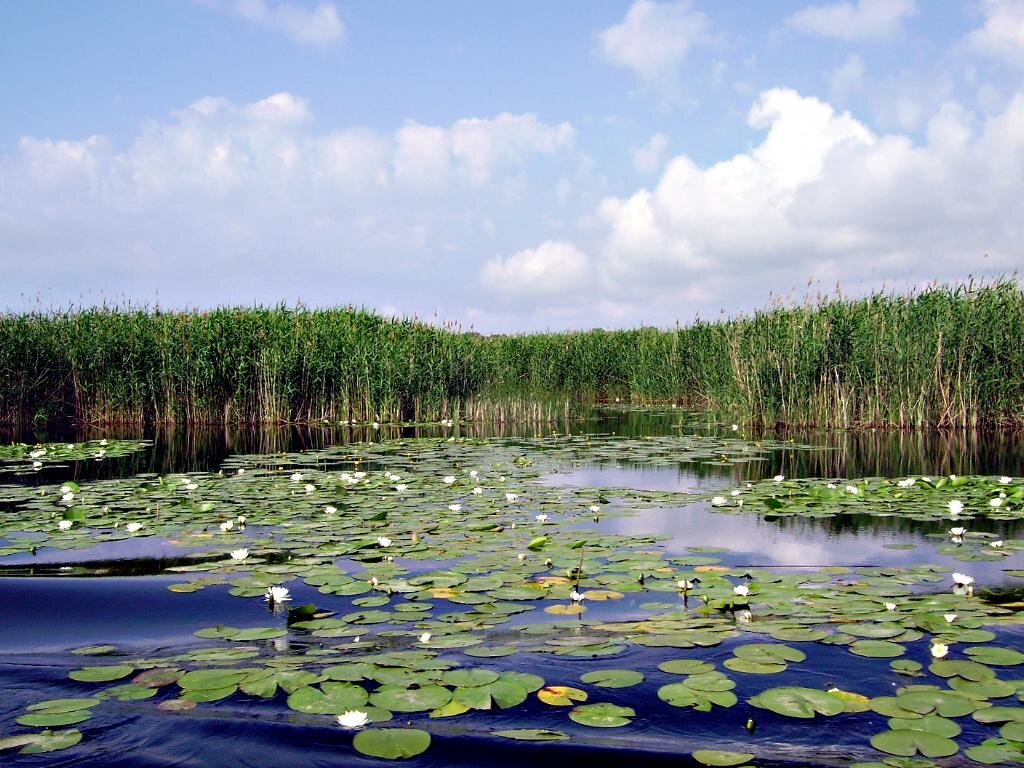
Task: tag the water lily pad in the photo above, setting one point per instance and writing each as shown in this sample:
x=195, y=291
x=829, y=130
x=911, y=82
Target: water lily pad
x=398, y=698
x=561, y=695
x=392, y=743
x=798, y=702
x=613, y=678
x=908, y=743
x=332, y=698
x=532, y=734
x=100, y=674
x=602, y=715
x=721, y=757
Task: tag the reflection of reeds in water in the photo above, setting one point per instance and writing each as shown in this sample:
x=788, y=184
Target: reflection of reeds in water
x=946, y=356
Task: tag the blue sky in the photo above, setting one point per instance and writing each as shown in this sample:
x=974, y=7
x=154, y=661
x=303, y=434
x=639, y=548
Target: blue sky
x=508, y=166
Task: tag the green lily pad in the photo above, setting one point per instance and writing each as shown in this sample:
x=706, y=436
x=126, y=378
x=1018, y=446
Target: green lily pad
x=392, y=743
x=907, y=743
x=721, y=757
x=613, y=678
x=602, y=715
x=100, y=674
x=532, y=734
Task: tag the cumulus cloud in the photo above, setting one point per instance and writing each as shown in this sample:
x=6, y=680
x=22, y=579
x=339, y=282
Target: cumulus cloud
x=854, y=20
x=847, y=77
x=229, y=202
x=822, y=195
x=317, y=25
x=651, y=156
x=552, y=268
x=654, y=38
x=1002, y=34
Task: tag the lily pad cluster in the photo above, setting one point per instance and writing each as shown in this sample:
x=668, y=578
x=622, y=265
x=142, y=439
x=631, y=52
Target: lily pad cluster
x=432, y=573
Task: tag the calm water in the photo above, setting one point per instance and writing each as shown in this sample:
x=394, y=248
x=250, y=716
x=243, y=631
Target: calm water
x=41, y=618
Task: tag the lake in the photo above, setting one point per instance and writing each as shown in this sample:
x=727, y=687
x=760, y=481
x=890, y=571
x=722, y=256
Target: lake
x=747, y=599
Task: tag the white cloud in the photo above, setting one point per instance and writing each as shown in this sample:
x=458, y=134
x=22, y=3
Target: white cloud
x=1002, y=35
x=651, y=156
x=317, y=25
x=847, y=77
x=552, y=268
x=824, y=196
x=854, y=19
x=474, y=148
x=223, y=202
x=654, y=38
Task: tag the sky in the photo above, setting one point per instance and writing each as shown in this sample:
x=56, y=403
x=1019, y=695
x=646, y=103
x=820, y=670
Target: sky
x=508, y=165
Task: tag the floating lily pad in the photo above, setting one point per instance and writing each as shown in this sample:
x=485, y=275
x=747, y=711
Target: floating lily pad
x=392, y=743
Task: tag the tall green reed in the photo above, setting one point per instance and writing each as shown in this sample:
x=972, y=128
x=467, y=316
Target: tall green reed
x=946, y=356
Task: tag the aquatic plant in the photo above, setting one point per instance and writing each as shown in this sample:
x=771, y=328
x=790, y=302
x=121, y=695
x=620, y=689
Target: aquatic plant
x=949, y=356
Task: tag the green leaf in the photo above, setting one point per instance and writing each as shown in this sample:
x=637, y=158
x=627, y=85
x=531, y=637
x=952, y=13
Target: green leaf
x=721, y=757
x=392, y=743
x=907, y=743
x=602, y=715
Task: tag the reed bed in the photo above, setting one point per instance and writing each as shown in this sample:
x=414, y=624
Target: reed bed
x=947, y=356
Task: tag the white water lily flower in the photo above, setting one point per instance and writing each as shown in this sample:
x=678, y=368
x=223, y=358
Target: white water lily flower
x=996, y=544
x=455, y=507
x=241, y=470
x=353, y=718
x=227, y=525
x=939, y=650
x=906, y=483
x=541, y=518
x=779, y=478
x=103, y=441
x=890, y=606
x=510, y=497
x=734, y=492
x=741, y=590
x=448, y=479
x=473, y=473
x=425, y=637
x=374, y=581
x=330, y=509
x=954, y=532
x=594, y=508
x=389, y=558
x=383, y=541
x=359, y=475
x=852, y=489
x=477, y=491
x=297, y=477
x=277, y=595
x=65, y=525
x=962, y=579
x=949, y=617
x=239, y=554
x=67, y=497
x=133, y=527
x=744, y=617
x=37, y=453
x=718, y=501
x=310, y=487
x=577, y=597
x=996, y=503
x=37, y=465
x=401, y=487
x=521, y=556
x=735, y=427
x=684, y=584
x=955, y=507
x=831, y=486
x=1004, y=480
